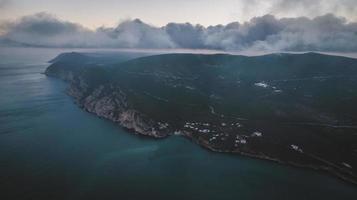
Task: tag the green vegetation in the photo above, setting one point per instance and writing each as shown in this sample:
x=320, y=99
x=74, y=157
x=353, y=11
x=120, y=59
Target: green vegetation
x=295, y=108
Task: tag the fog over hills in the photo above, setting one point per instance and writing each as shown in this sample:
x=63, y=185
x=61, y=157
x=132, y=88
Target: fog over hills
x=323, y=33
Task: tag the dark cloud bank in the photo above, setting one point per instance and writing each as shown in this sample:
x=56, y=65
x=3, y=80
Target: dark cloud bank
x=323, y=33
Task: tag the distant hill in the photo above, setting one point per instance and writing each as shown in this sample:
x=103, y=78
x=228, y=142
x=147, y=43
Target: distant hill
x=292, y=108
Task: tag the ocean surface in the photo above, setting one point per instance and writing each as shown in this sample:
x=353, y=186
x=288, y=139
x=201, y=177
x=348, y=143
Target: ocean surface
x=50, y=149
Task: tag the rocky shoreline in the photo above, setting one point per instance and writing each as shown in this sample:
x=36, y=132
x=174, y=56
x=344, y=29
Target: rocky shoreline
x=110, y=101
x=137, y=123
x=113, y=106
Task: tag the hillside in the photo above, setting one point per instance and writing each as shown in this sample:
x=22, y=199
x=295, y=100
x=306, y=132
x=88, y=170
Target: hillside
x=292, y=108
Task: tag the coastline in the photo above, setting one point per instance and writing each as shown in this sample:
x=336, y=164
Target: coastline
x=110, y=102
x=205, y=145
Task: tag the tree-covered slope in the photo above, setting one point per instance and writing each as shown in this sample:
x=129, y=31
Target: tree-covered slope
x=294, y=108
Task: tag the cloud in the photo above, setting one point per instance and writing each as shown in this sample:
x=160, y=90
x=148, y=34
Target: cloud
x=4, y=3
x=136, y=34
x=186, y=35
x=43, y=29
x=322, y=33
x=298, y=8
x=313, y=8
x=46, y=30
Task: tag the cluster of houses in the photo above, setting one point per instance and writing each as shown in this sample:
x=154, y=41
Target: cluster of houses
x=265, y=85
x=237, y=124
x=261, y=84
x=191, y=126
x=220, y=136
x=296, y=148
x=162, y=125
x=257, y=134
x=205, y=128
x=240, y=140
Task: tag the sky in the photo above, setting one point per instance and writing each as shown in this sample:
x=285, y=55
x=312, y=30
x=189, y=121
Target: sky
x=95, y=13
x=228, y=25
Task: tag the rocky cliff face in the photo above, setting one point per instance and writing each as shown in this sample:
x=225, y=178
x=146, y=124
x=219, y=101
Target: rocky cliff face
x=105, y=100
x=109, y=102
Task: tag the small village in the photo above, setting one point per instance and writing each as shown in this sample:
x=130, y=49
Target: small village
x=230, y=134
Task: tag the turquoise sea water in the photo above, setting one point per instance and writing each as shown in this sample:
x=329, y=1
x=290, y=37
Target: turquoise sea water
x=50, y=149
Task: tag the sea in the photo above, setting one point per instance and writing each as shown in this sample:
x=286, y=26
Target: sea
x=51, y=149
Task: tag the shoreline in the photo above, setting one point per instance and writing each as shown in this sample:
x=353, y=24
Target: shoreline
x=325, y=170
x=321, y=169
x=110, y=102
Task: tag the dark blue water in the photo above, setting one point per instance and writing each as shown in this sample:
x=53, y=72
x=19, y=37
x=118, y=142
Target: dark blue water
x=50, y=149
